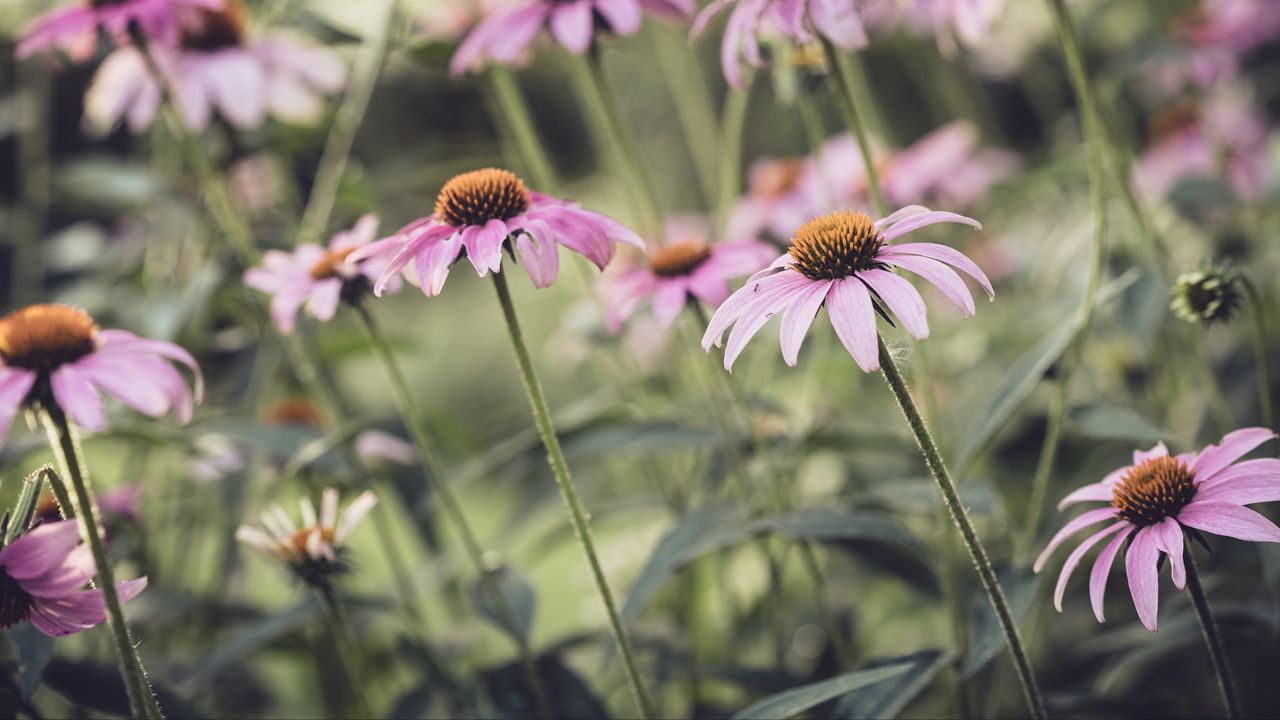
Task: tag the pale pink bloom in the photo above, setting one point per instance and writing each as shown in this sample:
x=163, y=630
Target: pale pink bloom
x=55, y=354
x=43, y=575
x=507, y=33
x=801, y=21
x=480, y=213
x=946, y=167
x=216, y=67
x=74, y=29
x=215, y=457
x=375, y=448
x=843, y=260
x=257, y=183
x=687, y=269
x=318, y=276
x=313, y=548
x=1156, y=501
x=968, y=20
x=1239, y=25
x=123, y=501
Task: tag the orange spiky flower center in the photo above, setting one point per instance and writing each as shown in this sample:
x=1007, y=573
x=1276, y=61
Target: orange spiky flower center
x=45, y=337
x=836, y=245
x=1153, y=490
x=330, y=265
x=476, y=197
x=679, y=258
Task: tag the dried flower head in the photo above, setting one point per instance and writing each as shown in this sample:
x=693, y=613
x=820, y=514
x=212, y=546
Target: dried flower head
x=1207, y=296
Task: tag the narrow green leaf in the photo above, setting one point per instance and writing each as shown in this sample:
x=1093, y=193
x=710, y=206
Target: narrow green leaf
x=885, y=700
x=797, y=700
x=25, y=509
x=1109, y=422
x=35, y=650
x=520, y=597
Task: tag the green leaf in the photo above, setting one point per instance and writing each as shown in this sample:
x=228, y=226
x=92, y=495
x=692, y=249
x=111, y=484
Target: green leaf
x=35, y=650
x=509, y=691
x=885, y=700
x=257, y=635
x=986, y=639
x=521, y=601
x=797, y=700
x=1109, y=422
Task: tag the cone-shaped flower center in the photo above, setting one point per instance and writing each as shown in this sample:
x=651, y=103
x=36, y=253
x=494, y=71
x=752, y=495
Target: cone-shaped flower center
x=294, y=411
x=217, y=29
x=44, y=337
x=835, y=245
x=779, y=177
x=297, y=543
x=330, y=264
x=476, y=197
x=1153, y=490
x=1174, y=119
x=15, y=603
x=679, y=258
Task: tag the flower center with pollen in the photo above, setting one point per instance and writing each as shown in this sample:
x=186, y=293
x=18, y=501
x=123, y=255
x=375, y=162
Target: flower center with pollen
x=836, y=245
x=679, y=258
x=297, y=543
x=1153, y=490
x=216, y=29
x=476, y=197
x=331, y=264
x=45, y=337
x=15, y=603
x=778, y=177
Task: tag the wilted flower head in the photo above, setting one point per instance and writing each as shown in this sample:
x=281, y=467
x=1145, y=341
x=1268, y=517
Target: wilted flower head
x=315, y=550
x=843, y=260
x=1160, y=498
x=74, y=29
x=55, y=356
x=216, y=66
x=319, y=277
x=482, y=212
x=1207, y=296
x=687, y=269
x=506, y=34
x=43, y=574
x=838, y=21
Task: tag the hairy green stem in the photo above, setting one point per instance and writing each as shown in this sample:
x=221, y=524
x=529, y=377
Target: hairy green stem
x=1261, y=352
x=951, y=497
x=1212, y=638
x=453, y=508
x=517, y=117
x=839, y=77
x=66, y=450
x=344, y=644
x=560, y=469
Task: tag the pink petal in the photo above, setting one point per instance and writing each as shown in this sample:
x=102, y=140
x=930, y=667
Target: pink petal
x=795, y=324
x=1168, y=534
x=903, y=300
x=432, y=263
x=1073, y=560
x=541, y=259
x=77, y=397
x=731, y=309
x=1099, y=491
x=933, y=217
x=902, y=214
x=571, y=23
x=1234, y=446
x=849, y=305
x=124, y=378
x=668, y=300
x=839, y=22
x=237, y=85
x=1091, y=517
x=15, y=384
x=1262, y=467
x=1102, y=568
x=945, y=254
x=41, y=550
x=623, y=16
x=941, y=276
x=1226, y=519
x=324, y=299
x=1144, y=586
x=755, y=315
x=1157, y=450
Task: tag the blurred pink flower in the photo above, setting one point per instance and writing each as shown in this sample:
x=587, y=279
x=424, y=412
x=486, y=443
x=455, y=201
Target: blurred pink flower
x=506, y=34
x=843, y=260
x=480, y=213
x=43, y=575
x=801, y=21
x=215, y=457
x=968, y=20
x=375, y=448
x=318, y=276
x=123, y=501
x=216, y=67
x=55, y=354
x=687, y=269
x=781, y=195
x=946, y=167
x=74, y=29
x=1239, y=25
x=1157, y=500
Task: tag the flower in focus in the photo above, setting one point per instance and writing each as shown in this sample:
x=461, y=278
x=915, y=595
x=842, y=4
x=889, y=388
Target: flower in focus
x=43, y=574
x=480, y=213
x=838, y=21
x=376, y=448
x=1207, y=296
x=686, y=270
x=318, y=277
x=842, y=260
x=506, y=34
x=216, y=66
x=315, y=551
x=1160, y=498
x=74, y=29
x=56, y=356
x=947, y=167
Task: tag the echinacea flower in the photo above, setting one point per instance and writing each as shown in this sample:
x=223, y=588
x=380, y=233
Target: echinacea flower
x=480, y=213
x=216, y=66
x=687, y=269
x=43, y=574
x=314, y=550
x=838, y=21
x=319, y=277
x=948, y=167
x=506, y=34
x=55, y=355
x=74, y=29
x=1159, y=499
x=843, y=260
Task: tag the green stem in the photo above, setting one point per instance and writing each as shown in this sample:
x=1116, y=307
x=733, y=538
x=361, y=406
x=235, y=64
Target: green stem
x=66, y=450
x=453, y=508
x=853, y=118
x=515, y=114
x=1260, y=351
x=733, y=121
x=560, y=469
x=950, y=496
x=346, y=122
x=1212, y=638
x=684, y=78
x=344, y=644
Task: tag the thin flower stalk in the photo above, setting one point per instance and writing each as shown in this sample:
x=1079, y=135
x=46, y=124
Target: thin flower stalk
x=1212, y=638
x=1258, y=318
x=453, y=508
x=345, y=648
x=66, y=450
x=560, y=469
x=853, y=117
x=514, y=113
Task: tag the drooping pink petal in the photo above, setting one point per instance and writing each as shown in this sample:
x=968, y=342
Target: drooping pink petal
x=118, y=376
x=1261, y=467
x=432, y=263
x=782, y=261
x=1168, y=535
x=540, y=258
x=917, y=221
x=731, y=309
x=1157, y=450
x=74, y=572
x=796, y=322
x=854, y=320
x=324, y=298
x=1242, y=489
x=945, y=254
x=838, y=21
x=669, y=299
x=1144, y=585
x=1102, y=569
x=77, y=397
x=623, y=16
x=237, y=85
x=571, y=23
x=1091, y=517
x=40, y=550
x=1073, y=560
x=1099, y=491
x=484, y=245
x=755, y=315
x=1234, y=446
x=941, y=276
x=15, y=384
x=903, y=300
x=1229, y=520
